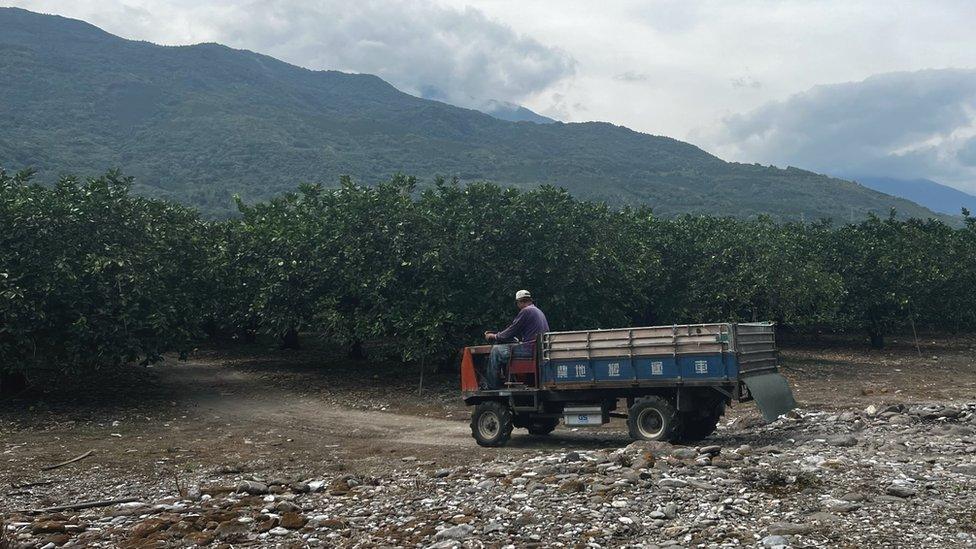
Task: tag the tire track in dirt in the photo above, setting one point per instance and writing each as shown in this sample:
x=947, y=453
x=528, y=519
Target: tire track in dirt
x=243, y=397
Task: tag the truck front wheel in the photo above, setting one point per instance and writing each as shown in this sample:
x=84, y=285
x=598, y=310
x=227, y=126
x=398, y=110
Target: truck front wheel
x=491, y=423
x=652, y=418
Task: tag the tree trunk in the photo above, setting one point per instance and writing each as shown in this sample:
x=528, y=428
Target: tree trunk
x=357, y=352
x=290, y=339
x=423, y=366
x=448, y=364
x=877, y=339
x=213, y=332
x=12, y=383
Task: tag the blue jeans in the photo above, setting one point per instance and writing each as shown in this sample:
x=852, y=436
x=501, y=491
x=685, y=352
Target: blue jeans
x=497, y=360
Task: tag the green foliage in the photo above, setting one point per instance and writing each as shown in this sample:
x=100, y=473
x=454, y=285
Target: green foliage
x=91, y=276
x=199, y=124
x=895, y=272
x=429, y=272
x=725, y=268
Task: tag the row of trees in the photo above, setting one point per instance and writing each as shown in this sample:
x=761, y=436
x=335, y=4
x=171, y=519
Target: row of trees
x=93, y=276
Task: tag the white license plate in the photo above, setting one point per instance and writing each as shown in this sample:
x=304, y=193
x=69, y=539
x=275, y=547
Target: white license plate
x=584, y=419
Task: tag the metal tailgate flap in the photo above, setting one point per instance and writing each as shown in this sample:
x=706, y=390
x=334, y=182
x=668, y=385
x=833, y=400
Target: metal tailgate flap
x=772, y=394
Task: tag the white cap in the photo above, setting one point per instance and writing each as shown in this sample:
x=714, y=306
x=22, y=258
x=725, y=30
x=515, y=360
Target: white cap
x=522, y=294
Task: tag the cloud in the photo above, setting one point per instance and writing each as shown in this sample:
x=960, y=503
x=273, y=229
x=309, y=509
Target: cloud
x=904, y=124
x=631, y=76
x=746, y=82
x=455, y=55
x=966, y=155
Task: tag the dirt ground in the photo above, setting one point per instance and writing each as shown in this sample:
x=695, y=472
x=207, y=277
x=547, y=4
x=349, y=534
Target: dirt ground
x=304, y=412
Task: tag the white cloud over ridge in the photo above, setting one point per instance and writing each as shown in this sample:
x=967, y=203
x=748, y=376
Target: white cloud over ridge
x=918, y=124
x=455, y=55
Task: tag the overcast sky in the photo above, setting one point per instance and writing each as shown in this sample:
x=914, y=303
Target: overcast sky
x=837, y=86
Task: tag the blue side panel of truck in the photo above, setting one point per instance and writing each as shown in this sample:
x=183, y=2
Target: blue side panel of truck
x=656, y=368
x=708, y=366
x=566, y=371
x=613, y=369
x=686, y=367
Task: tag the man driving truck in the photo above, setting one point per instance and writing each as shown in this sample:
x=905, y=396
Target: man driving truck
x=528, y=324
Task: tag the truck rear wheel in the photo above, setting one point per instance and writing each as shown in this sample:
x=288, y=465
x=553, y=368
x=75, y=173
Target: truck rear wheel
x=491, y=423
x=695, y=427
x=652, y=418
x=698, y=424
x=542, y=426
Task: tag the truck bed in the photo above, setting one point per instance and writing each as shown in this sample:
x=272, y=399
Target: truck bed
x=718, y=353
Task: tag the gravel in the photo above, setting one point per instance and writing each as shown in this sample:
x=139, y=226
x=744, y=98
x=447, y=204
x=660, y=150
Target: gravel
x=900, y=476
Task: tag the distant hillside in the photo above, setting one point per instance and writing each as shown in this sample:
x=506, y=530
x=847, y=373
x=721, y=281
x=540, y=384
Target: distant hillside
x=514, y=113
x=934, y=196
x=199, y=123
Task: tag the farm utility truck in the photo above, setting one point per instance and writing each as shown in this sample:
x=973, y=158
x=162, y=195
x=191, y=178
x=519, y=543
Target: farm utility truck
x=676, y=380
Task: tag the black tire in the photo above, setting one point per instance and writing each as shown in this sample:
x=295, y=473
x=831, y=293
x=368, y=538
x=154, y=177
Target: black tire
x=653, y=418
x=491, y=423
x=695, y=427
x=542, y=426
x=698, y=424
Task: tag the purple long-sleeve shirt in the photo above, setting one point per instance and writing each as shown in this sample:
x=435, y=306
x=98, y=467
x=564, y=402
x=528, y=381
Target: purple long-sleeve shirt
x=528, y=324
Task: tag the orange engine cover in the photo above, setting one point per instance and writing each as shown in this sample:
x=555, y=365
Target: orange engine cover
x=469, y=380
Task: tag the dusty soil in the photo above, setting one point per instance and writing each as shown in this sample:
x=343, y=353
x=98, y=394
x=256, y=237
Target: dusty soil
x=306, y=414
x=834, y=375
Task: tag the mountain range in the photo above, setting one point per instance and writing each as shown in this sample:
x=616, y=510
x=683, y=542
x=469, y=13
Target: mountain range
x=930, y=194
x=200, y=123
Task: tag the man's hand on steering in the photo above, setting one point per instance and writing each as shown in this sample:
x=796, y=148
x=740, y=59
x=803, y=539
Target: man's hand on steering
x=489, y=336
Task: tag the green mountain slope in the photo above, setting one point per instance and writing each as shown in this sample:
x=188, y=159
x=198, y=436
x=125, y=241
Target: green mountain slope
x=199, y=123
